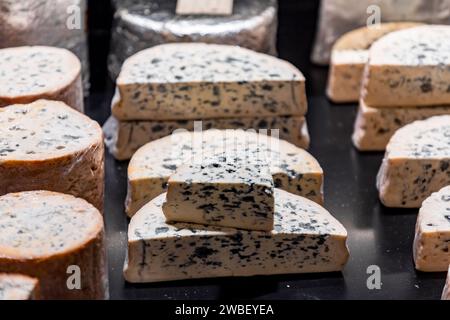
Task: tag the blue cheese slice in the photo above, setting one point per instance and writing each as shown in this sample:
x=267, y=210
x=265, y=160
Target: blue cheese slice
x=44, y=234
x=18, y=287
x=28, y=74
x=230, y=189
x=446, y=291
x=194, y=80
x=293, y=169
x=305, y=239
x=416, y=163
x=409, y=68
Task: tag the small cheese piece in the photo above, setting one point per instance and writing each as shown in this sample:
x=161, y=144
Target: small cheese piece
x=231, y=189
x=194, y=80
x=124, y=138
x=18, y=287
x=305, y=239
x=51, y=236
x=293, y=169
x=432, y=239
x=416, y=163
x=349, y=56
x=375, y=126
x=28, y=74
x=446, y=291
x=409, y=68
x=46, y=145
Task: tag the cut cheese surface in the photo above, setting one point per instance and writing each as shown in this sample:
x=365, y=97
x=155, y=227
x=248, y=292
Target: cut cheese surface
x=305, y=239
x=446, y=291
x=18, y=287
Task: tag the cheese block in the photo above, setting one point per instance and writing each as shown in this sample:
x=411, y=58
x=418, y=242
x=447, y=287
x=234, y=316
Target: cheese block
x=375, y=126
x=31, y=73
x=409, y=68
x=18, y=287
x=124, y=138
x=432, y=239
x=305, y=239
x=350, y=54
x=45, y=145
x=56, y=238
x=446, y=291
x=195, y=80
x=233, y=189
x=293, y=169
x=416, y=163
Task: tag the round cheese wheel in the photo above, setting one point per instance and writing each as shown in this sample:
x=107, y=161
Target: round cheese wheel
x=18, y=287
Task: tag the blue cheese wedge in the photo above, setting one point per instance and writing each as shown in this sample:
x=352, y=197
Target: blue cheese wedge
x=293, y=169
x=18, y=287
x=230, y=189
x=446, y=291
x=432, y=239
x=28, y=74
x=46, y=145
x=204, y=81
x=416, y=163
x=305, y=239
x=51, y=236
x=409, y=68
x=124, y=138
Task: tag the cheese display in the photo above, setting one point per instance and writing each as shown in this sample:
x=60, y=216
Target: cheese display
x=140, y=24
x=349, y=56
x=446, y=291
x=293, y=169
x=46, y=145
x=56, y=238
x=432, y=239
x=31, y=73
x=375, y=126
x=194, y=80
x=305, y=239
x=18, y=287
x=124, y=138
x=416, y=163
x=232, y=189
x=409, y=68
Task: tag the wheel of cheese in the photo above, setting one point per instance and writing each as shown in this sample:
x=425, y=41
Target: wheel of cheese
x=28, y=74
x=18, y=287
x=56, y=238
x=293, y=169
x=47, y=145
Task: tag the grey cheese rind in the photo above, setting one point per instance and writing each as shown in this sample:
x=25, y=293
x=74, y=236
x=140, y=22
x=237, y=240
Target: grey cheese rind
x=446, y=291
x=45, y=235
x=194, y=80
x=231, y=189
x=46, y=145
x=28, y=74
x=124, y=138
x=18, y=287
x=432, y=236
x=293, y=169
x=305, y=239
x=409, y=68
x=416, y=163
x=375, y=126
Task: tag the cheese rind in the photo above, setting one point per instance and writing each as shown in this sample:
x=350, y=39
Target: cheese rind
x=446, y=291
x=416, y=163
x=194, y=80
x=293, y=169
x=18, y=287
x=305, y=239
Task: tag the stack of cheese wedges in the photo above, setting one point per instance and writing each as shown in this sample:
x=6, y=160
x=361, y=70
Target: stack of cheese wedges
x=173, y=86
x=407, y=78
x=222, y=216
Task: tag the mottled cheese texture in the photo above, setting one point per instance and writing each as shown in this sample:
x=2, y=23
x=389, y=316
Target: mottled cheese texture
x=375, y=126
x=305, y=239
x=124, y=138
x=293, y=169
x=446, y=291
x=28, y=74
x=18, y=287
x=409, y=68
x=230, y=189
x=47, y=145
x=416, y=163
x=350, y=54
x=432, y=239
x=194, y=80
x=50, y=236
